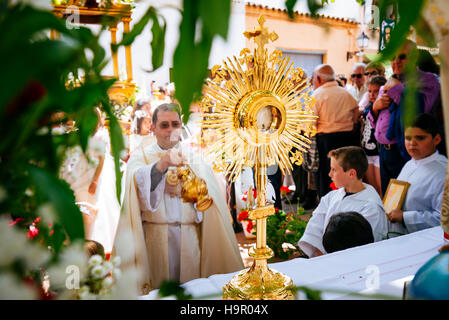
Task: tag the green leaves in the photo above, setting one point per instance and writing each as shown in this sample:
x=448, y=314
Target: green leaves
x=284, y=228
x=50, y=188
x=32, y=90
x=158, y=42
x=157, y=30
x=117, y=144
x=173, y=288
x=214, y=16
x=289, y=4
x=311, y=294
x=201, y=21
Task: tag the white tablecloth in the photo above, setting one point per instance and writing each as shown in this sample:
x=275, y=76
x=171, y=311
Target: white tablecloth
x=376, y=268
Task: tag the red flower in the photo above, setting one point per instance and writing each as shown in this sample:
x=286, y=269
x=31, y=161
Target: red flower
x=243, y=215
x=285, y=189
x=249, y=226
x=333, y=186
x=32, y=232
x=276, y=210
x=255, y=193
x=37, y=220
x=18, y=220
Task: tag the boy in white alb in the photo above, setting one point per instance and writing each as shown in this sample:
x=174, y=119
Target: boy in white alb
x=426, y=173
x=348, y=166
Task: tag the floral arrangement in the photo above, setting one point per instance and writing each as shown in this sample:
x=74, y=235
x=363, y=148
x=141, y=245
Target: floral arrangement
x=102, y=276
x=333, y=186
x=123, y=110
x=243, y=216
x=284, y=231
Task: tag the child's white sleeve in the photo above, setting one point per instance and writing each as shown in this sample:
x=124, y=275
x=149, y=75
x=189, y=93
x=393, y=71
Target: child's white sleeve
x=312, y=239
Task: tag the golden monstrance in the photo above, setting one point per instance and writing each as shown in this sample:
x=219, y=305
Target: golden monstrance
x=258, y=108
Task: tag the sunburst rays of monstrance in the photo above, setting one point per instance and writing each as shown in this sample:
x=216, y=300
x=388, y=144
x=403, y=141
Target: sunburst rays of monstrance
x=258, y=109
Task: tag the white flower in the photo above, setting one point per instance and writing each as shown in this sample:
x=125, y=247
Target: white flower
x=84, y=288
x=13, y=289
x=42, y=131
x=98, y=272
x=56, y=131
x=116, y=261
x=126, y=285
x=12, y=242
x=107, y=282
x=95, y=260
x=108, y=266
x=29, y=192
x=128, y=110
x=35, y=255
x=87, y=295
x=74, y=255
x=116, y=273
x=104, y=294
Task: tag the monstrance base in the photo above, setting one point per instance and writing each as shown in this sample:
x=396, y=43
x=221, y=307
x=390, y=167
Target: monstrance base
x=259, y=283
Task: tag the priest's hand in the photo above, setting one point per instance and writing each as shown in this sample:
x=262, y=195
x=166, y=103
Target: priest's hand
x=173, y=190
x=396, y=215
x=172, y=158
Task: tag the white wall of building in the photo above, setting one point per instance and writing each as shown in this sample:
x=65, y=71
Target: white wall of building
x=169, y=9
x=141, y=49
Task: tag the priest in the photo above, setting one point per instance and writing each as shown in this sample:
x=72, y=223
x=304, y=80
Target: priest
x=170, y=238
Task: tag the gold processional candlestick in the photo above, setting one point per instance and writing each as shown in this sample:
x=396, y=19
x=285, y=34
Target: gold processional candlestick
x=258, y=109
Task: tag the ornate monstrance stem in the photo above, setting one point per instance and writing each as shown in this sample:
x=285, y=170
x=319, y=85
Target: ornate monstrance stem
x=259, y=282
x=261, y=110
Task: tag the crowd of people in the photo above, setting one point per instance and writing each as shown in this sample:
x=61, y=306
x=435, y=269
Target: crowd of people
x=363, y=140
x=367, y=135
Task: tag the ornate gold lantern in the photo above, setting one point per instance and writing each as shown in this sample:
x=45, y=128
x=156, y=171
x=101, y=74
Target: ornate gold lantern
x=261, y=109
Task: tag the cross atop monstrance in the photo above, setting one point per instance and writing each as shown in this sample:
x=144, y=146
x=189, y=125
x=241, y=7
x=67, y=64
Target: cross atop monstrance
x=261, y=36
x=262, y=112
